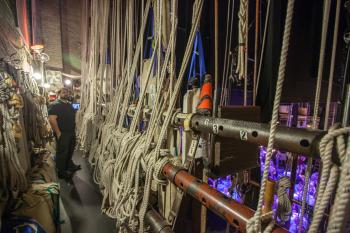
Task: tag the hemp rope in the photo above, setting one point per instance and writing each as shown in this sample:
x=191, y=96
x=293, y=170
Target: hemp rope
x=254, y=224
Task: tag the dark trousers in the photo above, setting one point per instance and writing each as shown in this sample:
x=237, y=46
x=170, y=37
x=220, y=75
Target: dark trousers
x=64, y=151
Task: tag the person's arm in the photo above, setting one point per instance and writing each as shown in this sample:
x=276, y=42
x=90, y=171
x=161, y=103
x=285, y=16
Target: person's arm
x=54, y=125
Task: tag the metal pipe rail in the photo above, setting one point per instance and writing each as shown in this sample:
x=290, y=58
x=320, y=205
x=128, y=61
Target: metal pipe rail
x=157, y=223
x=234, y=213
x=295, y=140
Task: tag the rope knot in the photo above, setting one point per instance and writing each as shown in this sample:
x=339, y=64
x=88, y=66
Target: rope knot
x=158, y=167
x=284, y=208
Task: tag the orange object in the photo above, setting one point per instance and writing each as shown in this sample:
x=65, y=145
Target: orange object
x=205, y=105
x=207, y=87
x=268, y=197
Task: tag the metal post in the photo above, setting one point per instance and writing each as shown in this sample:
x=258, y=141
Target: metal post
x=234, y=213
x=157, y=223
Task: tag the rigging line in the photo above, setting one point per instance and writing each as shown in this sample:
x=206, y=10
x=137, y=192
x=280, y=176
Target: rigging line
x=216, y=57
x=263, y=44
x=325, y=21
x=226, y=53
x=331, y=71
x=230, y=54
x=246, y=57
x=132, y=69
x=173, y=57
x=141, y=54
x=198, y=5
x=256, y=47
x=254, y=224
x=160, y=5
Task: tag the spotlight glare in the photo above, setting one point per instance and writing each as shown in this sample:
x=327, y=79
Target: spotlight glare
x=46, y=85
x=68, y=82
x=37, y=76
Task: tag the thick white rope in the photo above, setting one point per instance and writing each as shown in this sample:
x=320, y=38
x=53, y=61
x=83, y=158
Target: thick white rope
x=242, y=39
x=254, y=224
x=198, y=5
x=123, y=163
x=329, y=181
x=325, y=20
x=339, y=217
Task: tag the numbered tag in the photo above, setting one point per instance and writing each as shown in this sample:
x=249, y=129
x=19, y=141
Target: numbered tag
x=215, y=128
x=244, y=135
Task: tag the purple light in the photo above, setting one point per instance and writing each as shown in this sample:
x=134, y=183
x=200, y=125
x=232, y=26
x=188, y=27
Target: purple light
x=276, y=171
x=280, y=167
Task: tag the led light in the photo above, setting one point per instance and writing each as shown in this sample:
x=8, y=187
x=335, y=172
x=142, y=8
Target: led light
x=37, y=76
x=46, y=85
x=68, y=82
x=37, y=47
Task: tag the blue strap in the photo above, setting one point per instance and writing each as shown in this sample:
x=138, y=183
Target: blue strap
x=108, y=56
x=193, y=60
x=197, y=51
x=202, y=70
x=137, y=87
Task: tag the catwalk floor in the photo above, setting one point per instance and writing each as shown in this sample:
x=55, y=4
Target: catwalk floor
x=81, y=202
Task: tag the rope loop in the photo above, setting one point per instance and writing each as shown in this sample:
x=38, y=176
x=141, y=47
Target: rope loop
x=158, y=167
x=284, y=208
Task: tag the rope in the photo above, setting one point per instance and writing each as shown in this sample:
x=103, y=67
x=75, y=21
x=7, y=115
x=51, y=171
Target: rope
x=197, y=9
x=330, y=175
x=242, y=39
x=331, y=70
x=263, y=44
x=224, y=94
x=226, y=52
x=256, y=47
x=339, y=217
x=254, y=224
x=120, y=174
x=284, y=208
x=327, y=6
x=125, y=161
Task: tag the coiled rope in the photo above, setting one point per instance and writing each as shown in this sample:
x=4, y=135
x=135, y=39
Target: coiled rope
x=242, y=39
x=284, y=207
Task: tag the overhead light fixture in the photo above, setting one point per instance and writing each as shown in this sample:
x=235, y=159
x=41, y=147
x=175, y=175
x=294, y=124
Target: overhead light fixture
x=46, y=85
x=37, y=76
x=68, y=82
x=38, y=48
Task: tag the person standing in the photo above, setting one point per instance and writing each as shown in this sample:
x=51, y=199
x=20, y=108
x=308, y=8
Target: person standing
x=62, y=120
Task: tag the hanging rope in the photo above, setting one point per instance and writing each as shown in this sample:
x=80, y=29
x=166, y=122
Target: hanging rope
x=330, y=175
x=225, y=97
x=254, y=224
x=326, y=11
x=197, y=9
x=263, y=44
x=331, y=70
x=242, y=39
